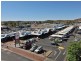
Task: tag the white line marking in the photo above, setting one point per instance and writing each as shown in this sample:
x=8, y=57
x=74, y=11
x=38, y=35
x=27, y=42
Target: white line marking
x=55, y=53
x=64, y=53
x=58, y=54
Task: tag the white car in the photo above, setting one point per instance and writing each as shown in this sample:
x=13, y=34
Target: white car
x=33, y=48
x=12, y=34
x=23, y=34
x=39, y=49
x=4, y=37
x=32, y=40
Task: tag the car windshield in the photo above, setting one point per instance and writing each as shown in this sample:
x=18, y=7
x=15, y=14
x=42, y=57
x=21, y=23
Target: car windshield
x=45, y=30
x=33, y=46
x=14, y=33
x=2, y=35
x=27, y=32
x=23, y=33
x=39, y=47
x=30, y=39
x=60, y=34
x=39, y=32
x=11, y=33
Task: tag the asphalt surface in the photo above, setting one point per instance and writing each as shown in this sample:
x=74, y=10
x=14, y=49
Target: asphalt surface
x=9, y=56
x=58, y=54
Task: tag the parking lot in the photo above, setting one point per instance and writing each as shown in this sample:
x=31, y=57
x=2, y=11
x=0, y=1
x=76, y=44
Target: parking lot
x=56, y=52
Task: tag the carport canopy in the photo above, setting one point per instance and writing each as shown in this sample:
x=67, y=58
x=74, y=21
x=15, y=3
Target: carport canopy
x=57, y=35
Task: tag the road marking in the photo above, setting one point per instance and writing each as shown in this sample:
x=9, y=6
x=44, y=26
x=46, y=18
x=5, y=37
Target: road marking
x=64, y=53
x=58, y=54
x=55, y=53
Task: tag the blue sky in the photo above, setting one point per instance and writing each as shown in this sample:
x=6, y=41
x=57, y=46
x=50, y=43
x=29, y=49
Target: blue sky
x=39, y=11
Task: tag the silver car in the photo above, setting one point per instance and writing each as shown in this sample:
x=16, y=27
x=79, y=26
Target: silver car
x=39, y=49
x=34, y=47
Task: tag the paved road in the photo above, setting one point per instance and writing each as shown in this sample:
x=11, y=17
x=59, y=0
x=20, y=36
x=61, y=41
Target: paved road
x=9, y=56
x=57, y=54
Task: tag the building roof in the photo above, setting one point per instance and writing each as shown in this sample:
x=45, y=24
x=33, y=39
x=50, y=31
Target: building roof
x=62, y=32
x=66, y=30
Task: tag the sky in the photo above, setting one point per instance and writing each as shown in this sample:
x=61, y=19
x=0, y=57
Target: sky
x=40, y=11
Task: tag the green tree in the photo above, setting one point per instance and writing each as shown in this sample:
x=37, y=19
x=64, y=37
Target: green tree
x=74, y=51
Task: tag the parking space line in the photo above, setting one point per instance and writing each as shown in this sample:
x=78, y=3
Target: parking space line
x=64, y=53
x=55, y=53
x=58, y=54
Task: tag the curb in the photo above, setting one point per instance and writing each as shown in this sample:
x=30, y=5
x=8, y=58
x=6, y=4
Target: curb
x=25, y=54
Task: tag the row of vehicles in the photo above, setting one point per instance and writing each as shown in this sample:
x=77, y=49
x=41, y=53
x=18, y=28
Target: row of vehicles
x=36, y=49
x=24, y=34
x=7, y=37
x=10, y=36
x=30, y=45
x=79, y=30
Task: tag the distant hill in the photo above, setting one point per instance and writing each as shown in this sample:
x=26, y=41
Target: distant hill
x=78, y=20
x=65, y=21
x=20, y=23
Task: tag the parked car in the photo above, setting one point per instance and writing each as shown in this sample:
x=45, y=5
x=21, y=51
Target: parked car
x=4, y=37
x=79, y=32
x=55, y=41
x=24, y=34
x=32, y=40
x=39, y=49
x=27, y=45
x=34, y=47
x=12, y=35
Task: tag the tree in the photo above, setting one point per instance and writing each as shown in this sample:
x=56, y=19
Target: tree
x=74, y=51
x=55, y=41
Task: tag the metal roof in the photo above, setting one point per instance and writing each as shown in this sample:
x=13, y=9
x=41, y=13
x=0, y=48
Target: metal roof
x=66, y=30
x=57, y=35
x=62, y=32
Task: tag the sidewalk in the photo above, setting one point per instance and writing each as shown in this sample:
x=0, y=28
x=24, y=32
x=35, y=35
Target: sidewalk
x=24, y=53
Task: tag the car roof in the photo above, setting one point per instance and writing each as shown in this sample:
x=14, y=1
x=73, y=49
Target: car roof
x=39, y=47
